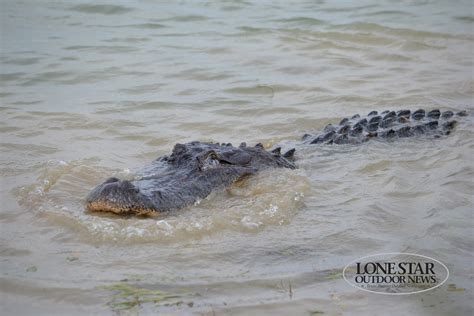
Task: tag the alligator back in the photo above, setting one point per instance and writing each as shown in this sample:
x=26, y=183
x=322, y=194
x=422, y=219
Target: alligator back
x=387, y=125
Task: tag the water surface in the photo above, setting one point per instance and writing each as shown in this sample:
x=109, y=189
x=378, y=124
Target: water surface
x=89, y=90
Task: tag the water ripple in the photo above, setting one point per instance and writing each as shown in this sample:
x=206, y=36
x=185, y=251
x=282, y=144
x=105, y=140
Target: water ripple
x=107, y=9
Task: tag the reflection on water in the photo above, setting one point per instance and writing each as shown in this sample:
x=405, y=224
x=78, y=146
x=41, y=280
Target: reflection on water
x=91, y=90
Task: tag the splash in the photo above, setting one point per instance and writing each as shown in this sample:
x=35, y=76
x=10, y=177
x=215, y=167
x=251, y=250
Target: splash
x=271, y=198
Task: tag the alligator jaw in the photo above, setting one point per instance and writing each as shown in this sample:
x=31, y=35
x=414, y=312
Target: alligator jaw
x=99, y=206
x=119, y=197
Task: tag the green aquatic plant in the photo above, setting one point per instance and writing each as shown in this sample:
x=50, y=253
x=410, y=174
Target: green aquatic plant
x=334, y=274
x=128, y=297
x=453, y=288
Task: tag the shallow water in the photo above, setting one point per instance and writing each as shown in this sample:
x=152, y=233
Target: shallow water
x=94, y=90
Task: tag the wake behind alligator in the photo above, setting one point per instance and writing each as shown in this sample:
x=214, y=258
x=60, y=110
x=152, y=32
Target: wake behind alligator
x=196, y=169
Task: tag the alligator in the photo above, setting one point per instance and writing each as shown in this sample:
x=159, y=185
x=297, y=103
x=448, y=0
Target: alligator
x=193, y=170
x=190, y=173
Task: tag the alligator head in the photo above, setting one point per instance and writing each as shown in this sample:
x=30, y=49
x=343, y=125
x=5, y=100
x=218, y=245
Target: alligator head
x=190, y=173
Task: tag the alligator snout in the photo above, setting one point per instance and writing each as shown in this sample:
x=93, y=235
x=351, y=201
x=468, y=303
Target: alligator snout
x=119, y=197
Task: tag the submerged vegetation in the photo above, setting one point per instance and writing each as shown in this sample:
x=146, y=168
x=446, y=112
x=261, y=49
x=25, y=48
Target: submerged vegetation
x=130, y=298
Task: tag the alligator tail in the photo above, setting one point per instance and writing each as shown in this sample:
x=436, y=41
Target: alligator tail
x=387, y=125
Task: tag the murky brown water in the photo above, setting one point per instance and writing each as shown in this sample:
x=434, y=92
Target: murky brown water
x=94, y=90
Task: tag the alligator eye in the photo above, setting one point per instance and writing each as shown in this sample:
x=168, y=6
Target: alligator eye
x=209, y=161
